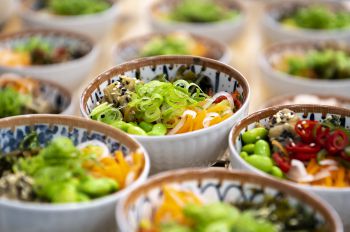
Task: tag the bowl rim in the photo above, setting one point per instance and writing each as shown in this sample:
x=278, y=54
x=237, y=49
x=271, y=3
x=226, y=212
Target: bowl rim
x=278, y=6
x=267, y=112
x=26, y=11
x=56, y=32
x=181, y=175
x=119, y=47
x=62, y=90
x=236, y=20
x=173, y=59
x=73, y=122
x=281, y=47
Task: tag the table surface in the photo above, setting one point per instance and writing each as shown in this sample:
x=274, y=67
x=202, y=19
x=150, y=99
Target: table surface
x=245, y=49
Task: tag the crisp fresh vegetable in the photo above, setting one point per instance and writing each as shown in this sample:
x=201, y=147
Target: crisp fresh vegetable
x=62, y=172
x=175, y=43
x=317, y=17
x=20, y=96
x=75, y=7
x=183, y=211
x=201, y=11
x=37, y=51
x=162, y=107
x=305, y=151
x=327, y=64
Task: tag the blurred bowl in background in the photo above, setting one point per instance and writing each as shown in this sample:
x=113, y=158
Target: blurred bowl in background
x=278, y=82
x=274, y=30
x=95, y=25
x=68, y=73
x=225, y=30
x=171, y=43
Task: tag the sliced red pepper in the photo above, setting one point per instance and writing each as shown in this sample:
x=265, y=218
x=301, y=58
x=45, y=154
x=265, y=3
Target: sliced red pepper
x=303, y=148
x=281, y=162
x=322, y=135
x=304, y=156
x=220, y=99
x=344, y=156
x=337, y=141
x=304, y=129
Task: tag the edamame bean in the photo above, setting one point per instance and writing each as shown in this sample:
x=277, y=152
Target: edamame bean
x=146, y=126
x=260, y=162
x=66, y=193
x=158, y=129
x=249, y=148
x=120, y=125
x=254, y=135
x=96, y=187
x=244, y=155
x=135, y=130
x=262, y=148
x=277, y=172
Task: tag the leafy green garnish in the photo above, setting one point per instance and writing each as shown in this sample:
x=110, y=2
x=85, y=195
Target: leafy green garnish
x=201, y=11
x=168, y=45
x=77, y=7
x=12, y=103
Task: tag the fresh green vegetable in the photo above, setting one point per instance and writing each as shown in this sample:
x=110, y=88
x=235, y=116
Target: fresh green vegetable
x=318, y=17
x=243, y=154
x=262, y=148
x=249, y=148
x=251, y=136
x=201, y=11
x=158, y=129
x=260, y=162
x=77, y=7
x=277, y=172
x=168, y=45
x=11, y=102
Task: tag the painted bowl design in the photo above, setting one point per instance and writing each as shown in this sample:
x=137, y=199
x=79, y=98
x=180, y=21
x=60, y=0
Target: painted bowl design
x=95, y=215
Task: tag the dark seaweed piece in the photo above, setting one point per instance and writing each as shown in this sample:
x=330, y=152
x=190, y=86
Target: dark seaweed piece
x=160, y=77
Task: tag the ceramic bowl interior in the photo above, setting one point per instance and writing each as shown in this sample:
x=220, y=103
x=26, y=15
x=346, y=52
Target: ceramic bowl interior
x=47, y=127
x=274, y=53
x=131, y=48
x=57, y=96
x=74, y=42
x=146, y=69
x=310, y=112
x=277, y=10
x=215, y=185
x=163, y=8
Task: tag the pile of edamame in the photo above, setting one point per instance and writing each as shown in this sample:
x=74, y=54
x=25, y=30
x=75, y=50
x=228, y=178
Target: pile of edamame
x=143, y=128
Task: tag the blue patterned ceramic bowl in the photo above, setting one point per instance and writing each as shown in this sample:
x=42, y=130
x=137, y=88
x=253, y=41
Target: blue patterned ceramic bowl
x=69, y=74
x=337, y=197
x=215, y=185
x=275, y=31
x=57, y=96
x=197, y=148
x=93, y=216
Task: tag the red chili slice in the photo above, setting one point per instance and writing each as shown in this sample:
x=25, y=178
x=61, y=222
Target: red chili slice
x=281, y=162
x=304, y=129
x=304, y=156
x=219, y=99
x=303, y=148
x=337, y=141
x=344, y=156
x=322, y=135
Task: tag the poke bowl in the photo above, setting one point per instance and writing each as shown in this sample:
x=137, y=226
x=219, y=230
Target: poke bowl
x=216, y=199
x=306, y=20
x=221, y=20
x=62, y=57
x=179, y=108
x=26, y=95
x=312, y=67
x=172, y=43
x=303, y=145
x=64, y=173
x=94, y=18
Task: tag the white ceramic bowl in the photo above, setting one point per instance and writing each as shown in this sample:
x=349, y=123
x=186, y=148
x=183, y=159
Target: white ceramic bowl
x=214, y=184
x=275, y=31
x=224, y=31
x=94, y=25
x=57, y=96
x=94, y=216
x=131, y=48
x=337, y=197
x=6, y=10
x=197, y=148
x=69, y=74
x=277, y=82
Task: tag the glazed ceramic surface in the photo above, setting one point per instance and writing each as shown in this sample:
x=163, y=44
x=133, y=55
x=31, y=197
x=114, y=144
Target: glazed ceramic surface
x=69, y=74
x=337, y=197
x=93, y=216
x=275, y=31
x=130, y=49
x=198, y=148
x=93, y=25
x=224, y=31
x=215, y=185
x=277, y=82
